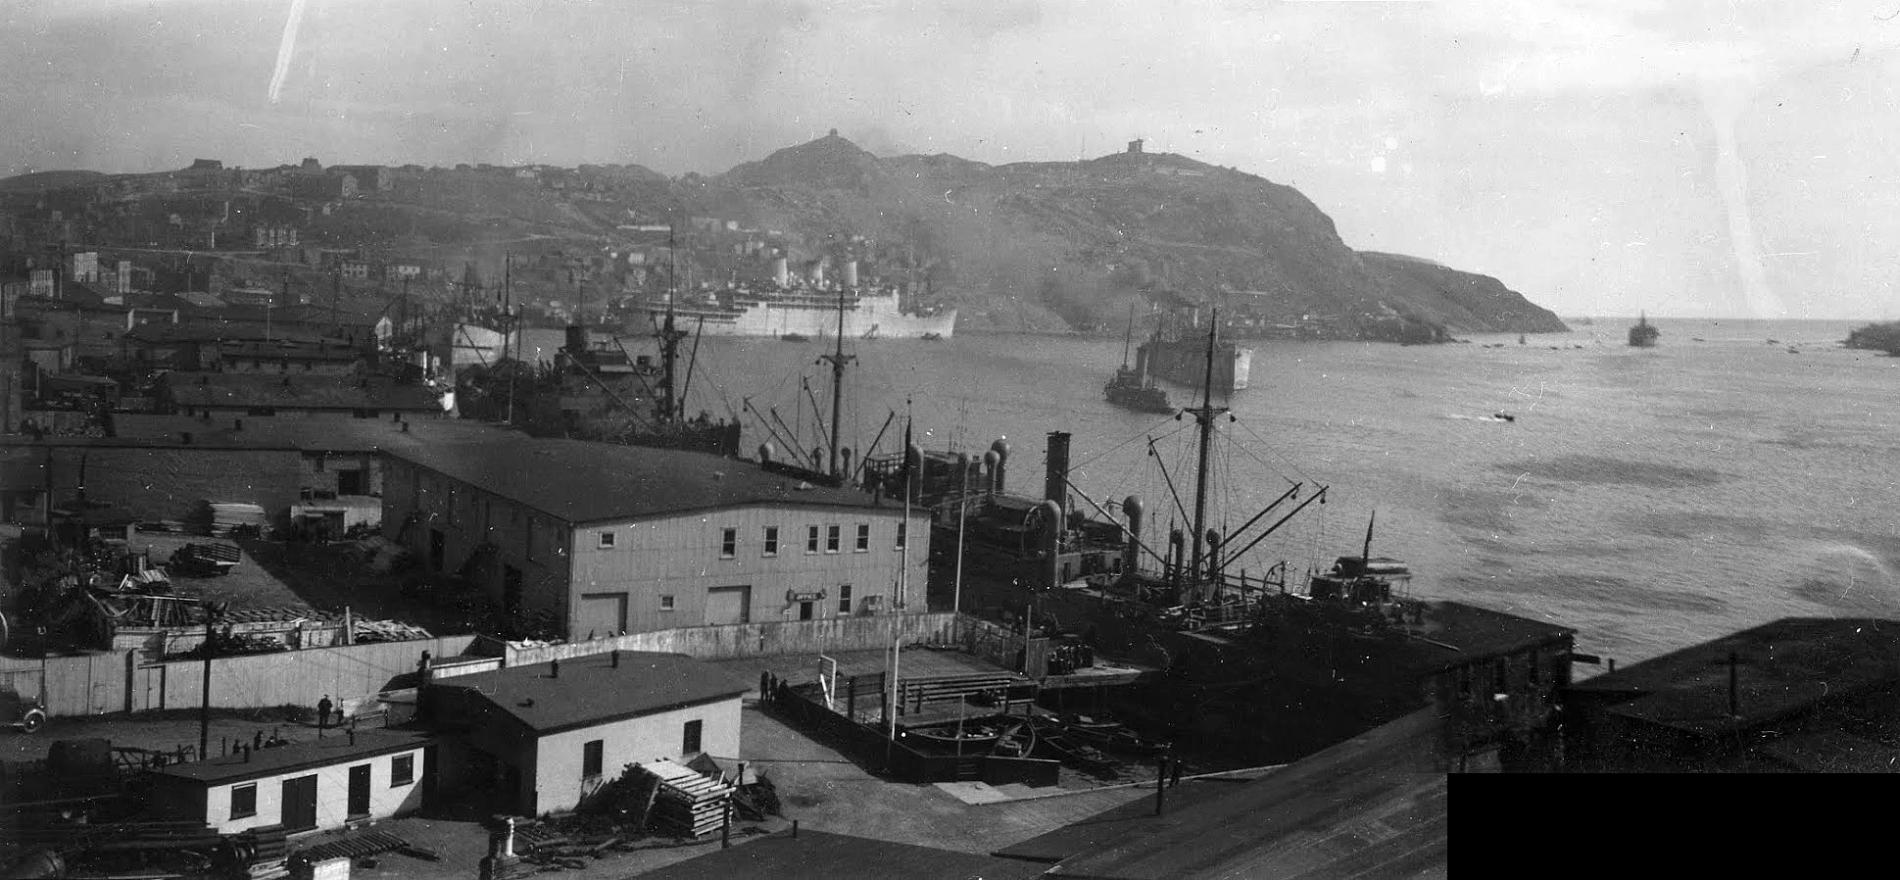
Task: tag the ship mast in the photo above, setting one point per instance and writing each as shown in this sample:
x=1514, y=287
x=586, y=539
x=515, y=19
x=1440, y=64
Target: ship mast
x=1129, y=337
x=1204, y=418
x=838, y=359
x=669, y=337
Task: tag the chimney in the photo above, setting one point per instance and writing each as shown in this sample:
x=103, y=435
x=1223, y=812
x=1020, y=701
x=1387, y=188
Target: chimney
x=352, y=734
x=616, y=658
x=554, y=668
x=781, y=274
x=851, y=273
x=1055, y=485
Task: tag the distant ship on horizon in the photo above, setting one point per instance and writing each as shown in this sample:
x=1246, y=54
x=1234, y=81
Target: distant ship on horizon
x=1644, y=334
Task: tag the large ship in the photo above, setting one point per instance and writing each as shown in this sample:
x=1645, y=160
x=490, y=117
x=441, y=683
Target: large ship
x=809, y=307
x=1177, y=352
x=1644, y=334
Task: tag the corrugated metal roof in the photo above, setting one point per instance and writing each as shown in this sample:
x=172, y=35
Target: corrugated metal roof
x=335, y=748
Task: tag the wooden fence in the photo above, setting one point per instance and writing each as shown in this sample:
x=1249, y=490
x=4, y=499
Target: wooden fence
x=106, y=682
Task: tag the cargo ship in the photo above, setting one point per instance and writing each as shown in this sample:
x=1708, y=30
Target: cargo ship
x=1644, y=334
x=1177, y=352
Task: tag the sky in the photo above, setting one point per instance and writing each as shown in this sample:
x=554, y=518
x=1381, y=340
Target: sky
x=1694, y=159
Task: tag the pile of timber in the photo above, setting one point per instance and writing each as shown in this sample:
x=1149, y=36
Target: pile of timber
x=367, y=843
x=686, y=803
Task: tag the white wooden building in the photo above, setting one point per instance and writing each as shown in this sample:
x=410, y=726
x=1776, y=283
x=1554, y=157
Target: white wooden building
x=542, y=737
x=317, y=784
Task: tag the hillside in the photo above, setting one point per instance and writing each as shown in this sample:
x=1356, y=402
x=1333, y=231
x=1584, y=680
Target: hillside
x=1031, y=246
x=44, y=180
x=1024, y=245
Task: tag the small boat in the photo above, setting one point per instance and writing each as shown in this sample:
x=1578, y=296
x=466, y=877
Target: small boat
x=1051, y=740
x=972, y=735
x=794, y=337
x=1504, y=417
x=1015, y=742
x=1107, y=733
x=1644, y=334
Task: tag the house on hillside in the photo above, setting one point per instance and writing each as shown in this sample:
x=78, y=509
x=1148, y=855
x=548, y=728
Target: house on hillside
x=542, y=737
x=318, y=784
x=597, y=538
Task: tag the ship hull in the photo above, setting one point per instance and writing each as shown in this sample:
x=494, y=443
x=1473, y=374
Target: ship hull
x=869, y=316
x=1185, y=363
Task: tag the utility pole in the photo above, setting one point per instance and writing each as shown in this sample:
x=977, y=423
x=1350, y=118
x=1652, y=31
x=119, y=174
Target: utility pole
x=212, y=612
x=963, y=505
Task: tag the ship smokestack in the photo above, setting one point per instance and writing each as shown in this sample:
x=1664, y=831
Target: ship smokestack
x=1131, y=550
x=997, y=471
x=818, y=273
x=1055, y=486
x=851, y=273
x=765, y=453
x=576, y=339
x=844, y=462
x=990, y=462
x=781, y=275
x=1052, y=540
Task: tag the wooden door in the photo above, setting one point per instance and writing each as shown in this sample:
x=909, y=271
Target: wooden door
x=359, y=790
x=728, y=605
x=300, y=803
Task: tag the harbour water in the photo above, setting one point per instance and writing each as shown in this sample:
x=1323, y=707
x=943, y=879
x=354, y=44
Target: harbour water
x=1649, y=498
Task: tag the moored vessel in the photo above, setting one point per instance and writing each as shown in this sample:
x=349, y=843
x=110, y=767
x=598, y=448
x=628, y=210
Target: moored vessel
x=1644, y=334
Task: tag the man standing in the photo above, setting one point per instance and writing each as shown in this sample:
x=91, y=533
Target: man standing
x=324, y=707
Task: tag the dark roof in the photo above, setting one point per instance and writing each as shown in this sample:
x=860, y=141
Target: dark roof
x=335, y=748
x=584, y=482
x=590, y=690
x=299, y=391
x=1781, y=668
x=1478, y=633
x=1371, y=806
x=819, y=854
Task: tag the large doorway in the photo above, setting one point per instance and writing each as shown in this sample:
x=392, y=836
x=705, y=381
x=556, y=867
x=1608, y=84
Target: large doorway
x=602, y=614
x=300, y=803
x=728, y=605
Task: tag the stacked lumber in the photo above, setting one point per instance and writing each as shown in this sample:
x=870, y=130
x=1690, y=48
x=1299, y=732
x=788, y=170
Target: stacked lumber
x=367, y=843
x=687, y=804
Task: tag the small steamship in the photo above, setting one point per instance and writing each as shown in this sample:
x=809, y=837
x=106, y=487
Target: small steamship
x=789, y=308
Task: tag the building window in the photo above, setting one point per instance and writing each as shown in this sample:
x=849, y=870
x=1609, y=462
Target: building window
x=811, y=539
x=844, y=598
x=261, y=411
x=666, y=603
x=903, y=532
x=592, y=757
x=864, y=537
x=728, y=543
x=834, y=535
x=244, y=801
x=606, y=540
x=690, y=742
x=359, y=413
x=402, y=770
x=771, y=540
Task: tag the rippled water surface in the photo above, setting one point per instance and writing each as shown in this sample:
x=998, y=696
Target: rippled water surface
x=1649, y=498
